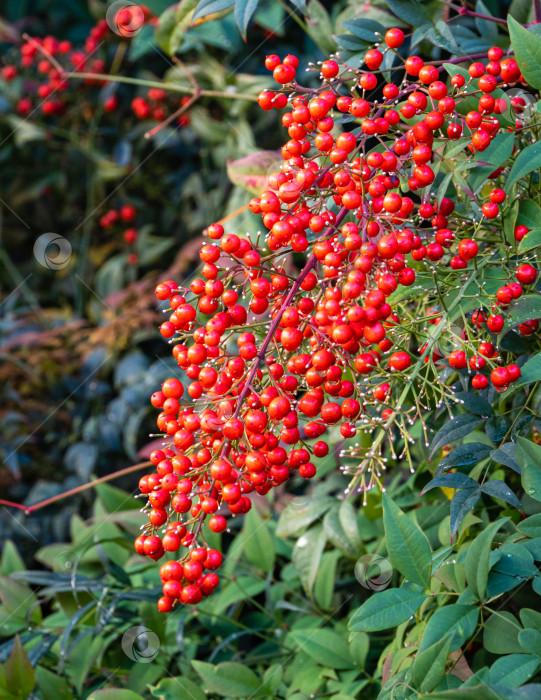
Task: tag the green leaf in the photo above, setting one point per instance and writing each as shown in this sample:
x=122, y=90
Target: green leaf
x=306, y=556
x=325, y=579
x=513, y=670
x=210, y=7
x=463, y=456
x=530, y=372
x=230, y=679
x=251, y=172
x=530, y=641
x=485, y=692
x=359, y=646
x=320, y=27
x=237, y=589
x=531, y=240
x=527, y=48
x=114, y=694
x=324, y=646
x=458, y=621
x=529, y=213
x=410, y=11
x=297, y=515
x=530, y=618
x=350, y=525
x=17, y=598
x=500, y=635
x=52, y=687
x=386, y=609
x=11, y=559
x=498, y=152
x=506, y=455
x=458, y=427
x=523, y=309
x=529, y=460
x=244, y=10
x=531, y=526
x=20, y=676
x=364, y=29
x=522, y=10
x=335, y=532
x=271, y=678
x=258, y=542
x=463, y=501
x=429, y=665
x=407, y=545
x=474, y=403
x=477, y=559
x=528, y=159
x=450, y=481
x=499, y=489
x=173, y=688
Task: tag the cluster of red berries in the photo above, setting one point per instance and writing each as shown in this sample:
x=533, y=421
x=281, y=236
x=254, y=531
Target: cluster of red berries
x=271, y=358
x=118, y=218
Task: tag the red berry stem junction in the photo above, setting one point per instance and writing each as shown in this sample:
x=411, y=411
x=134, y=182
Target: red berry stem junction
x=277, y=364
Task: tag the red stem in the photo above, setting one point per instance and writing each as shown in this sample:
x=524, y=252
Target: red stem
x=79, y=489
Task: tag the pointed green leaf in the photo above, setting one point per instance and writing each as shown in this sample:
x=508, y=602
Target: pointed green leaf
x=528, y=160
x=20, y=676
x=528, y=456
x=477, y=559
x=386, y=609
x=429, y=665
x=527, y=48
x=463, y=501
x=258, y=542
x=458, y=427
x=407, y=545
x=230, y=679
x=324, y=646
x=306, y=556
x=530, y=641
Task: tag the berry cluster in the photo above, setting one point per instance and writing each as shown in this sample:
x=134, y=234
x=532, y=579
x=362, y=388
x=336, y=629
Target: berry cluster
x=272, y=357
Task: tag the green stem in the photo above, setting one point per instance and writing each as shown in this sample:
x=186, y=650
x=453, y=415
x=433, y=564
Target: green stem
x=160, y=84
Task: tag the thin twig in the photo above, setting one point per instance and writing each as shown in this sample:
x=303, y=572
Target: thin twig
x=79, y=489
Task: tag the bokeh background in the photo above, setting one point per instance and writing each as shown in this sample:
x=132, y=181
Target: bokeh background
x=99, y=201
